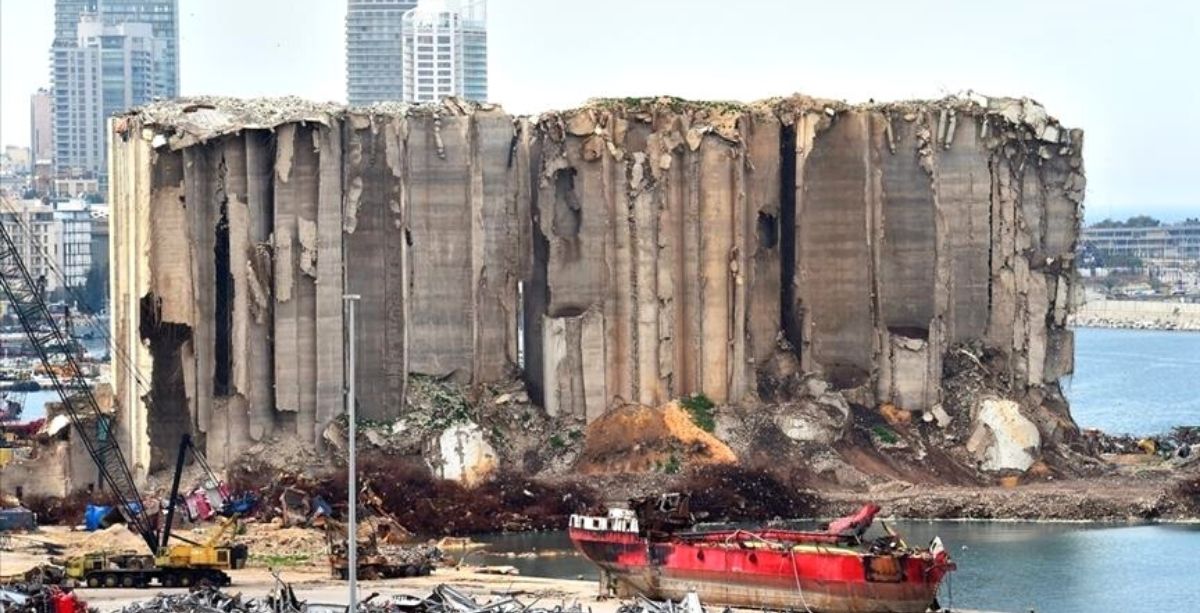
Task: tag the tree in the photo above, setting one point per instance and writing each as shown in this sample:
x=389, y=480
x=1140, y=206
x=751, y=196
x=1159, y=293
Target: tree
x=95, y=289
x=1142, y=221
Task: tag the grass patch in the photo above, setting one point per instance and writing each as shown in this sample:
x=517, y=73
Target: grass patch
x=701, y=409
x=885, y=435
x=673, y=465
x=280, y=560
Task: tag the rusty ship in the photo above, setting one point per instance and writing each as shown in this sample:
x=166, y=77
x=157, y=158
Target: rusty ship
x=653, y=550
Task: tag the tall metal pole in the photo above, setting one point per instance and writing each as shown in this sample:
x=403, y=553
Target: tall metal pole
x=352, y=483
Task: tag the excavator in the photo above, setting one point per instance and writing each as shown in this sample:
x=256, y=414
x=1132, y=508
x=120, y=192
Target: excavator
x=181, y=562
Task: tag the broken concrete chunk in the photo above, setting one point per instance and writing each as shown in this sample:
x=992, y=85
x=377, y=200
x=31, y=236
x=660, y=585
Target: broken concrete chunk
x=1002, y=438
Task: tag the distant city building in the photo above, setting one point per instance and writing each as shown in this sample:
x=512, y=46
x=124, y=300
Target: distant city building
x=110, y=69
x=373, y=50
x=37, y=236
x=75, y=240
x=14, y=161
x=75, y=188
x=41, y=128
x=1179, y=241
x=99, y=214
x=445, y=50
x=57, y=241
x=107, y=56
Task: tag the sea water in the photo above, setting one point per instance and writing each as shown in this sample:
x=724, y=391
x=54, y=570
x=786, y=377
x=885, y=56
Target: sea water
x=1135, y=381
x=1002, y=566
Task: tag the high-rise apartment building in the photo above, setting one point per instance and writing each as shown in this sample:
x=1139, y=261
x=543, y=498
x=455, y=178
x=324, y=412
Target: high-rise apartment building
x=107, y=55
x=111, y=68
x=41, y=128
x=37, y=236
x=445, y=50
x=373, y=55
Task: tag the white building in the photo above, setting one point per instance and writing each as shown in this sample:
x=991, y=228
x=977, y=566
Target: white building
x=37, y=236
x=445, y=50
x=54, y=241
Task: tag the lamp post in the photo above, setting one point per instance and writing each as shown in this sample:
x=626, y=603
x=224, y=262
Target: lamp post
x=351, y=300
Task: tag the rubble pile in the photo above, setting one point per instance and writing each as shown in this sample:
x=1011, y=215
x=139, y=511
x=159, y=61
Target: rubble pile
x=427, y=505
x=731, y=493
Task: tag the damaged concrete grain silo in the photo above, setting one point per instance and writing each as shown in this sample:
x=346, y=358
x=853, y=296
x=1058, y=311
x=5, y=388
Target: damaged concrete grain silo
x=240, y=226
x=919, y=226
x=629, y=251
x=656, y=263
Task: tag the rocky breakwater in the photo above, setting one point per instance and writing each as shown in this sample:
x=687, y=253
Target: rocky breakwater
x=881, y=287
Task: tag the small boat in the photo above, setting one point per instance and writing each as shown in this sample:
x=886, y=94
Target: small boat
x=652, y=550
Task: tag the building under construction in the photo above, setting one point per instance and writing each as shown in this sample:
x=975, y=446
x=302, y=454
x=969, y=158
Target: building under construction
x=626, y=251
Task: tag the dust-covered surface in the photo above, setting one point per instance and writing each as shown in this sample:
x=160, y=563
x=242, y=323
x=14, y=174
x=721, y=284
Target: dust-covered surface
x=847, y=295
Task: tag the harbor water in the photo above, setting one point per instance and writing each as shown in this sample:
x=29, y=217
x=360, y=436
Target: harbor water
x=1002, y=566
x=1135, y=381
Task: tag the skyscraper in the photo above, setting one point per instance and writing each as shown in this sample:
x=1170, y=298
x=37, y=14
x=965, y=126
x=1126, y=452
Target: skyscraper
x=107, y=55
x=163, y=17
x=41, y=126
x=111, y=68
x=373, y=55
x=445, y=50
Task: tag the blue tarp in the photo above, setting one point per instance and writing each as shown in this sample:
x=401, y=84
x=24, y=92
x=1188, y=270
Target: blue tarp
x=94, y=516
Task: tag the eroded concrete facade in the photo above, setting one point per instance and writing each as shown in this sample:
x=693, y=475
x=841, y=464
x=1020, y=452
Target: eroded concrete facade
x=627, y=251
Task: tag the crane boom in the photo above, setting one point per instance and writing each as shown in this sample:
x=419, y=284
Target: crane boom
x=25, y=297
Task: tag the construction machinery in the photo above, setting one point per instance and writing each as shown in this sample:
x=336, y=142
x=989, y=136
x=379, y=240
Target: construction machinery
x=169, y=563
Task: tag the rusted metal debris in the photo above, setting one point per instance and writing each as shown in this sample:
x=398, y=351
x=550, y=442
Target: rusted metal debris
x=447, y=599
x=689, y=604
x=443, y=599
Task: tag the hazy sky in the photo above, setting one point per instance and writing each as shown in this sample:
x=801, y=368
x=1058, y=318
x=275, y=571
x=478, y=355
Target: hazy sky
x=1125, y=72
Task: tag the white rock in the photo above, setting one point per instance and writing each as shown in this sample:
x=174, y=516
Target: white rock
x=1002, y=438
x=461, y=453
x=822, y=421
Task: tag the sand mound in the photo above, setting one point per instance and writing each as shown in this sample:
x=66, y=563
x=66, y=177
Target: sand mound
x=268, y=541
x=636, y=439
x=116, y=537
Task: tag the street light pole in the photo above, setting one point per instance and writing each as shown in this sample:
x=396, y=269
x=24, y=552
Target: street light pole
x=351, y=300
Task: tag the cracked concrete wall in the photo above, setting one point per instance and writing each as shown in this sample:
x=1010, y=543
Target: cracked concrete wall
x=241, y=225
x=660, y=258
x=637, y=250
x=923, y=225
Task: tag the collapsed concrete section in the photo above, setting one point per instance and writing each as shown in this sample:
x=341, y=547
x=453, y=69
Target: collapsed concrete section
x=630, y=251
x=919, y=226
x=242, y=224
x=656, y=254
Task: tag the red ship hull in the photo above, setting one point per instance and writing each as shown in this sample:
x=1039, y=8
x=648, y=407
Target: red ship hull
x=739, y=569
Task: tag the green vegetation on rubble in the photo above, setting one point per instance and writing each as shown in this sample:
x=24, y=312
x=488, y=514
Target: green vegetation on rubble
x=701, y=409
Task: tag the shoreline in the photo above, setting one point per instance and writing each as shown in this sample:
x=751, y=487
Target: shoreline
x=1162, y=315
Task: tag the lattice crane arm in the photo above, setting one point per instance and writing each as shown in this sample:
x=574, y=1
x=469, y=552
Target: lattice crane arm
x=25, y=296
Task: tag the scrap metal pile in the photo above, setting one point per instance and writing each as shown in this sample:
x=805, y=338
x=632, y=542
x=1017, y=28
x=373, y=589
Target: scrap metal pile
x=446, y=599
x=38, y=598
x=282, y=599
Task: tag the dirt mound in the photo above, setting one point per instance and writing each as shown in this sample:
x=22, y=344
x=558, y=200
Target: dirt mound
x=271, y=545
x=116, y=537
x=638, y=439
